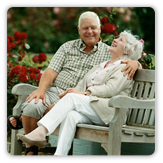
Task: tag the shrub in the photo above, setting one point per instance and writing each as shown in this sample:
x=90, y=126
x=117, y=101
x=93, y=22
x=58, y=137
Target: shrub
x=109, y=31
x=20, y=67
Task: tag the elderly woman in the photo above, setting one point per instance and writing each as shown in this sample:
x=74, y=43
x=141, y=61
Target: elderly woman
x=88, y=102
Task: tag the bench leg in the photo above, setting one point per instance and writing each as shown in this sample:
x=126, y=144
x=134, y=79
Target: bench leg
x=16, y=145
x=115, y=131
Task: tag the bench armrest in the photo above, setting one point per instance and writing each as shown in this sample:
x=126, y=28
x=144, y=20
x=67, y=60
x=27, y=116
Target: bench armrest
x=128, y=102
x=23, y=89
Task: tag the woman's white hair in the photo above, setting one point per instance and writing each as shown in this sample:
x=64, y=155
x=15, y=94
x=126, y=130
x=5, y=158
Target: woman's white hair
x=133, y=48
x=88, y=14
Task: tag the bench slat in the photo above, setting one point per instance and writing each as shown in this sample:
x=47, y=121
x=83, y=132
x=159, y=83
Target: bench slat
x=145, y=75
x=93, y=127
x=141, y=115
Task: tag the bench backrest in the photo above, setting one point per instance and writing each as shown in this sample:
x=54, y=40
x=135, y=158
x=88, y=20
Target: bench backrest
x=143, y=88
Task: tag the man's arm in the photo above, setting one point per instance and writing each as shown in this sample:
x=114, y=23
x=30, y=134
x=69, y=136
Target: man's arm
x=130, y=68
x=46, y=79
x=49, y=75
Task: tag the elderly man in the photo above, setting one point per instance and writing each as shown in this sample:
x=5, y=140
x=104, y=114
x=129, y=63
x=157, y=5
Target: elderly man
x=68, y=66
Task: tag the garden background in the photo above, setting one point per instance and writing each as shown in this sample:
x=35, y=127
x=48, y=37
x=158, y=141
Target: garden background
x=35, y=34
x=49, y=27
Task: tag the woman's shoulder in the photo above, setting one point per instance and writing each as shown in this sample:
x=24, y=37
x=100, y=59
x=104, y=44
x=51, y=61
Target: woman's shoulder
x=117, y=70
x=121, y=64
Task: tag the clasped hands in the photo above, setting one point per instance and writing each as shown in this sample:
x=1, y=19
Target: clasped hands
x=70, y=90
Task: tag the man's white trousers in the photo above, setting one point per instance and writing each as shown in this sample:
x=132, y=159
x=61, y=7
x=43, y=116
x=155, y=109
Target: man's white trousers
x=69, y=111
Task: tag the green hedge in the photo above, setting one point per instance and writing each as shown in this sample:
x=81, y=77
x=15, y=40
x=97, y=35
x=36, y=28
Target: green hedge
x=50, y=27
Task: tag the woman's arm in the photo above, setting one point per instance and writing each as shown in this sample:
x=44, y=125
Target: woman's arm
x=115, y=83
x=74, y=90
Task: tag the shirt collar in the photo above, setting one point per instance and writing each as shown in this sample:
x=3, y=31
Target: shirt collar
x=96, y=45
x=102, y=65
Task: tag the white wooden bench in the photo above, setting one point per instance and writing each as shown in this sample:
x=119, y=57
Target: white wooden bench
x=139, y=128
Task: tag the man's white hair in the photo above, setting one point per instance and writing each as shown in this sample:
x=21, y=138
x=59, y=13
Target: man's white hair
x=133, y=48
x=89, y=14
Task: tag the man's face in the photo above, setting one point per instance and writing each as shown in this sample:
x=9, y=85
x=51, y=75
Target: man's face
x=89, y=31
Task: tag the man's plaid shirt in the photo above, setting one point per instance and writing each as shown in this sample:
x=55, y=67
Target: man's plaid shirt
x=72, y=63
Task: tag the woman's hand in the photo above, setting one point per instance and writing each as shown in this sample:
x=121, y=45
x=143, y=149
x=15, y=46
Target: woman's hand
x=70, y=90
x=130, y=68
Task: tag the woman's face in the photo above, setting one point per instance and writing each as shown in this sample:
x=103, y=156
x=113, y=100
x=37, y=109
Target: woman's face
x=117, y=46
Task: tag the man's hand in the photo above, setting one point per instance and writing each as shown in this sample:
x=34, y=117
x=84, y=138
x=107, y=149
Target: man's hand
x=130, y=68
x=70, y=90
x=46, y=79
x=38, y=95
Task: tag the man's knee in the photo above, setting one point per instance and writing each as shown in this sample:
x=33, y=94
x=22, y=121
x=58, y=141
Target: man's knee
x=33, y=110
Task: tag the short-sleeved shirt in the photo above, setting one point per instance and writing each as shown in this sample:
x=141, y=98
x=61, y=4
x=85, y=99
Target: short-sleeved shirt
x=71, y=62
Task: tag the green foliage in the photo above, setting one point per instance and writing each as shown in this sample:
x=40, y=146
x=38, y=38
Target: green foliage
x=49, y=27
x=20, y=67
x=109, y=32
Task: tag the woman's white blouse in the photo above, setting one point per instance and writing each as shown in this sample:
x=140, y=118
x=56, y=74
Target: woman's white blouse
x=97, y=76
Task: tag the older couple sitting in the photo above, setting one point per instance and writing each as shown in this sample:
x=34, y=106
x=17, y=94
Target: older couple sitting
x=88, y=101
x=83, y=102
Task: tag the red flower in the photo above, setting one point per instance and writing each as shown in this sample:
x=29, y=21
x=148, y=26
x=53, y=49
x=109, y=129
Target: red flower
x=23, y=36
x=42, y=57
x=30, y=69
x=13, y=45
x=108, y=28
x=10, y=43
x=35, y=58
x=114, y=27
x=32, y=76
x=19, y=42
x=10, y=38
x=38, y=77
x=116, y=33
x=23, y=69
x=22, y=77
x=17, y=35
x=9, y=64
x=15, y=70
x=18, y=70
x=22, y=55
x=35, y=70
x=11, y=54
x=8, y=47
x=105, y=20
